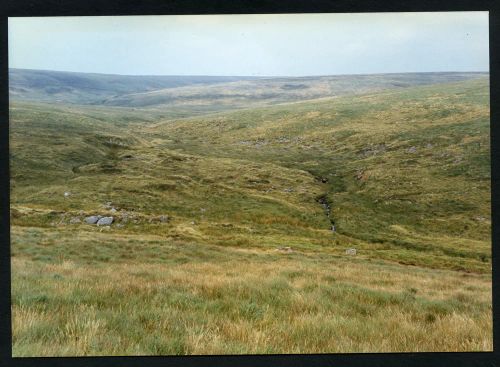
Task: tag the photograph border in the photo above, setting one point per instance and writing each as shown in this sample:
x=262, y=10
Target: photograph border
x=24, y=8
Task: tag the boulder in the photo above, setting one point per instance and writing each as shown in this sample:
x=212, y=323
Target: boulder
x=93, y=219
x=105, y=221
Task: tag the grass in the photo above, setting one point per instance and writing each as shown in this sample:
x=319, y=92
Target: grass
x=406, y=173
x=224, y=301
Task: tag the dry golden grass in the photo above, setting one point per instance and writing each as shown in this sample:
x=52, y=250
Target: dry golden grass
x=272, y=303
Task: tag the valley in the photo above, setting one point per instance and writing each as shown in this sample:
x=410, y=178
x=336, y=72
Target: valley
x=235, y=202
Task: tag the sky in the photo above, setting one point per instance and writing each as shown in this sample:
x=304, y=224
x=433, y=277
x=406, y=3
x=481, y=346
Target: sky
x=253, y=45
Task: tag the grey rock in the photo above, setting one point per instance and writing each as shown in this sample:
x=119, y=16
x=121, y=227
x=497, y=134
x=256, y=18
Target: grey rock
x=113, y=210
x=163, y=218
x=373, y=150
x=67, y=194
x=93, y=219
x=105, y=221
x=412, y=150
x=350, y=251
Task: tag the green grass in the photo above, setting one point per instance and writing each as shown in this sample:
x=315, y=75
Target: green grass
x=406, y=173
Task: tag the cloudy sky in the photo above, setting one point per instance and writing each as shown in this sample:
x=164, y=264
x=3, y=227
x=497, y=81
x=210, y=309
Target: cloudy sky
x=262, y=45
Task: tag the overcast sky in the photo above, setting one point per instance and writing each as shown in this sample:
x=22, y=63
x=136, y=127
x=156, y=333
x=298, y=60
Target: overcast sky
x=262, y=45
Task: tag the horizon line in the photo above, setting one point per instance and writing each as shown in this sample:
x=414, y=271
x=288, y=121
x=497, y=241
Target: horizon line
x=253, y=76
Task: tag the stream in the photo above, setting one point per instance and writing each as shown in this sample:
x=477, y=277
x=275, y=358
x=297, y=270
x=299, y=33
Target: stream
x=325, y=203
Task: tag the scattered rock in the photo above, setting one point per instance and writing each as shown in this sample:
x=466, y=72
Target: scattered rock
x=429, y=146
x=350, y=251
x=288, y=190
x=373, y=150
x=480, y=218
x=283, y=140
x=119, y=225
x=67, y=194
x=412, y=149
x=93, y=219
x=444, y=155
x=159, y=219
x=105, y=221
x=285, y=249
x=75, y=220
x=113, y=210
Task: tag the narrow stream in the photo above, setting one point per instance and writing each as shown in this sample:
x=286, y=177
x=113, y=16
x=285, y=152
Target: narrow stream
x=325, y=203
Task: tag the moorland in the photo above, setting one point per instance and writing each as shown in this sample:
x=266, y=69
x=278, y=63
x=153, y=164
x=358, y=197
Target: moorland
x=249, y=215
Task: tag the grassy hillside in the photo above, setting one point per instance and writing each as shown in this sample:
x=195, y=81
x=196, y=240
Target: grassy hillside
x=405, y=170
x=269, y=91
x=87, y=88
x=222, y=240
x=205, y=93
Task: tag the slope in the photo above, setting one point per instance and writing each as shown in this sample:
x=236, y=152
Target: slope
x=88, y=88
x=221, y=242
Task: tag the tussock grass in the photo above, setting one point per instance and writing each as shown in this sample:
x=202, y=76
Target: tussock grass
x=271, y=305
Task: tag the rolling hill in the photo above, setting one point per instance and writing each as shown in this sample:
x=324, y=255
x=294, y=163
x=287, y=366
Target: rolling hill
x=222, y=240
x=215, y=93
x=87, y=88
